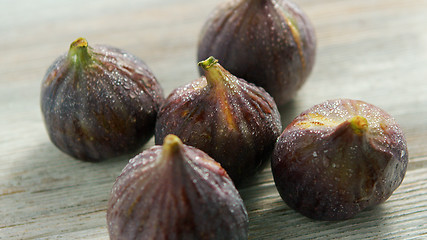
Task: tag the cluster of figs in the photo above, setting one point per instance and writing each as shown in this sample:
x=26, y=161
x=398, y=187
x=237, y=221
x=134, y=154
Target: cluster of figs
x=331, y=162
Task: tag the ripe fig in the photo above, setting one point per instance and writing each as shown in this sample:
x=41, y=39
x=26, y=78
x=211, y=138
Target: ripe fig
x=270, y=43
x=235, y=122
x=339, y=157
x=175, y=191
x=99, y=102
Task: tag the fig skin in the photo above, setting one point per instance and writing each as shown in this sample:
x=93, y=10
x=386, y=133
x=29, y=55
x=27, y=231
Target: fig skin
x=338, y=158
x=235, y=122
x=270, y=43
x=99, y=102
x=175, y=191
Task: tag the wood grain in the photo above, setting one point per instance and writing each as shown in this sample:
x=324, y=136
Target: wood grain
x=373, y=50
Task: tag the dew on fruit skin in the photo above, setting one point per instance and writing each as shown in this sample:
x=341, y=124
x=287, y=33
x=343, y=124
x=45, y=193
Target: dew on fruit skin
x=402, y=153
x=126, y=86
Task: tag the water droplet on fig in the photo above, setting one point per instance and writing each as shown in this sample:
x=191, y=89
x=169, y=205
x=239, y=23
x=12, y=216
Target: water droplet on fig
x=365, y=160
x=235, y=122
x=269, y=43
x=175, y=191
x=86, y=103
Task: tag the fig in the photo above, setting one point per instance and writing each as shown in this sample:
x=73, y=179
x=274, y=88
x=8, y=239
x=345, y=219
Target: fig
x=270, y=43
x=175, y=191
x=233, y=121
x=338, y=158
x=99, y=102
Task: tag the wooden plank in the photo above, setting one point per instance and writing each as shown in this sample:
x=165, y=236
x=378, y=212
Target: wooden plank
x=402, y=216
x=370, y=50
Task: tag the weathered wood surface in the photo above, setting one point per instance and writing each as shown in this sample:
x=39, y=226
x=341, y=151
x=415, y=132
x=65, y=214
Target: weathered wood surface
x=373, y=50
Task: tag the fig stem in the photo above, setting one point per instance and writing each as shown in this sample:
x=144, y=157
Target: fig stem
x=359, y=124
x=78, y=53
x=216, y=75
x=208, y=63
x=171, y=145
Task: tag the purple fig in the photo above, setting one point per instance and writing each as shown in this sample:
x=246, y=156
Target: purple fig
x=338, y=158
x=235, y=122
x=269, y=43
x=175, y=191
x=99, y=102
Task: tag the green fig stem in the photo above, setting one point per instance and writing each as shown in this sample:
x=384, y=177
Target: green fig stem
x=215, y=74
x=171, y=145
x=208, y=63
x=78, y=53
x=359, y=124
x=223, y=83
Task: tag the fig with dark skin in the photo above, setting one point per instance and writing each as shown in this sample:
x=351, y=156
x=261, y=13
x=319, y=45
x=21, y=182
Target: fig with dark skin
x=177, y=192
x=99, y=102
x=270, y=43
x=235, y=122
x=338, y=158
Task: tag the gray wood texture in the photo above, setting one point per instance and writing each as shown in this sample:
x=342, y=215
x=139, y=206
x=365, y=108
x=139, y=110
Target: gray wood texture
x=373, y=50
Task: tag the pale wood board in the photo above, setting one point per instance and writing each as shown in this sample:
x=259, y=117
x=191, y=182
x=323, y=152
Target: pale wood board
x=373, y=50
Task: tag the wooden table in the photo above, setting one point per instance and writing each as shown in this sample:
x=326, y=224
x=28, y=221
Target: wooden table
x=373, y=50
